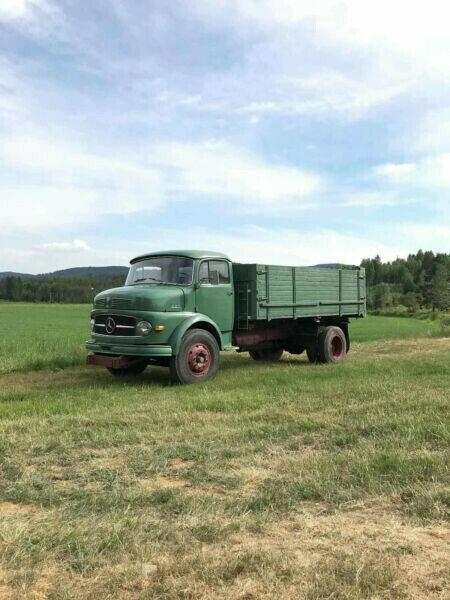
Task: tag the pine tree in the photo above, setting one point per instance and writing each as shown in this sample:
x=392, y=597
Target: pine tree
x=439, y=289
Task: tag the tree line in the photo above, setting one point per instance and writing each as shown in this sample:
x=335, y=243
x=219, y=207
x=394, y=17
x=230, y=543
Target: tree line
x=419, y=281
x=56, y=289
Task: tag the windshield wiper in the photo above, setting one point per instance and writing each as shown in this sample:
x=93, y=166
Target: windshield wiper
x=147, y=279
x=157, y=280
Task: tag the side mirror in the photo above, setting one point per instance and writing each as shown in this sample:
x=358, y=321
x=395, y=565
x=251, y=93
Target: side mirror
x=204, y=280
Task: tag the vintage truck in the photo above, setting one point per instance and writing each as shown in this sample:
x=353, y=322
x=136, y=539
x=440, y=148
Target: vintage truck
x=179, y=309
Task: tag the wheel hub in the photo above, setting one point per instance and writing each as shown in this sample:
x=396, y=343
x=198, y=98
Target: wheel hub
x=337, y=347
x=199, y=359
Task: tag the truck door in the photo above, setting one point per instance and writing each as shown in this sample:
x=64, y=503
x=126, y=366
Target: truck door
x=214, y=294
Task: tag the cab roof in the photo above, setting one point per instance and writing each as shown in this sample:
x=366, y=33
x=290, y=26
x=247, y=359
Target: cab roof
x=187, y=253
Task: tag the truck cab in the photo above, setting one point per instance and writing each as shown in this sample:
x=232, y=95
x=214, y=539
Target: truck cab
x=168, y=297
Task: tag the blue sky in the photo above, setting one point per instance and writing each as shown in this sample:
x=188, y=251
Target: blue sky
x=275, y=131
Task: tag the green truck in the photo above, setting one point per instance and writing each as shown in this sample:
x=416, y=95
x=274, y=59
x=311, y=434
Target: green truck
x=180, y=309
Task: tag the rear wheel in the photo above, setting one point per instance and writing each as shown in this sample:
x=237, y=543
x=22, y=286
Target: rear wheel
x=198, y=358
x=268, y=355
x=135, y=368
x=332, y=345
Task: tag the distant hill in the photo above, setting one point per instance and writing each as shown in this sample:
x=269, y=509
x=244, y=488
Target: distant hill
x=81, y=272
x=334, y=266
x=14, y=274
x=87, y=272
x=75, y=272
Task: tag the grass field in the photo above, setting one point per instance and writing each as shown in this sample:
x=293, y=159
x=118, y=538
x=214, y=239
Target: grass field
x=40, y=336
x=52, y=336
x=287, y=480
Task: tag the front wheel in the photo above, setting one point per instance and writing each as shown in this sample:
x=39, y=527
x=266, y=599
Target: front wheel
x=198, y=358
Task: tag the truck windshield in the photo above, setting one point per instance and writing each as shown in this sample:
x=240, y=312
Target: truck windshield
x=172, y=270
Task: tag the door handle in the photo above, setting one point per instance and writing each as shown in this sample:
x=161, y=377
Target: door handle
x=230, y=293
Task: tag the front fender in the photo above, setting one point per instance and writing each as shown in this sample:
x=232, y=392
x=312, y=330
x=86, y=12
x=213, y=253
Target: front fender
x=178, y=333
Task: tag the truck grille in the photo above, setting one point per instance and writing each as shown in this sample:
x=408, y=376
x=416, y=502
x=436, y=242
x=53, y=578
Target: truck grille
x=113, y=302
x=115, y=325
x=118, y=302
x=100, y=303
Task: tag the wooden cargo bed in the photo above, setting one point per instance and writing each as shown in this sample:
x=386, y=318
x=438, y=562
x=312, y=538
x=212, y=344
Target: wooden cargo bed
x=266, y=292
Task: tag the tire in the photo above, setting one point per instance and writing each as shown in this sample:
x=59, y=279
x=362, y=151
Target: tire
x=332, y=345
x=198, y=358
x=313, y=354
x=267, y=355
x=294, y=349
x=134, y=369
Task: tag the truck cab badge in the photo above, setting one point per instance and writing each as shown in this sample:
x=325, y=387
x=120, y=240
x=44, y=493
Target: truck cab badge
x=110, y=325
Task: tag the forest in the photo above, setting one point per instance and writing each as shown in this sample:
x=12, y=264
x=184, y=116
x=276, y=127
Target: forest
x=422, y=280
x=67, y=290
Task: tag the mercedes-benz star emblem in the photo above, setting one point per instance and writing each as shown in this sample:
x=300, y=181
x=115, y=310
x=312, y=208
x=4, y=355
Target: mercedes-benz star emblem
x=110, y=325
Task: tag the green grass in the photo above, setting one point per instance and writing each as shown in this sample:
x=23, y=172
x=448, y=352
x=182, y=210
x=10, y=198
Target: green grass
x=374, y=328
x=52, y=336
x=285, y=480
x=42, y=336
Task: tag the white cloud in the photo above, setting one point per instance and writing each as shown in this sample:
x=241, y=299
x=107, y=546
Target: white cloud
x=38, y=153
x=285, y=246
x=13, y=9
x=426, y=236
x=431, y=133
x=18, y=9
x=81, y=186
x=431, y=172
x=394, y=170
x=74, y=246
x=392, y=173
x=190, y=100
x=416, y=28
x=335, y=57
x=220, y=170
x=293, y=247
x=365, y=199
x=34, y=259
x=49, y=206
x=76, y=186
x=43, y=207
x=419, y=230
x=435, y=171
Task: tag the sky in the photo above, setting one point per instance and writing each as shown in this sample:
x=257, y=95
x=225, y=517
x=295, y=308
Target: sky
x=277, y=131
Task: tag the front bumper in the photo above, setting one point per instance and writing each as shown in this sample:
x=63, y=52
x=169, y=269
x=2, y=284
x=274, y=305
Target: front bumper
x=149, y=350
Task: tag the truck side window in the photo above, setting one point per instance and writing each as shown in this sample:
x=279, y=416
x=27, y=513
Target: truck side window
x=203, y=274
x=214, y=272
x=221, y=267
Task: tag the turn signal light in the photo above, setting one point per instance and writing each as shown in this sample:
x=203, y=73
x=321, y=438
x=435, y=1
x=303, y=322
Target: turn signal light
x=158, y=328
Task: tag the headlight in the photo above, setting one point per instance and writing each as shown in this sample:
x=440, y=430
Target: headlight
x=143, y=328
x=92, y=324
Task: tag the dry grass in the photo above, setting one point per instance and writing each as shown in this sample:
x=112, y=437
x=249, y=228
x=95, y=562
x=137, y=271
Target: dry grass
x=366, y=551
x=277, y=481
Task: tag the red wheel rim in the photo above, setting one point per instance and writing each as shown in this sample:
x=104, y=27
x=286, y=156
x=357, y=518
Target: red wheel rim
x=337, y=346
x=199, y=359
